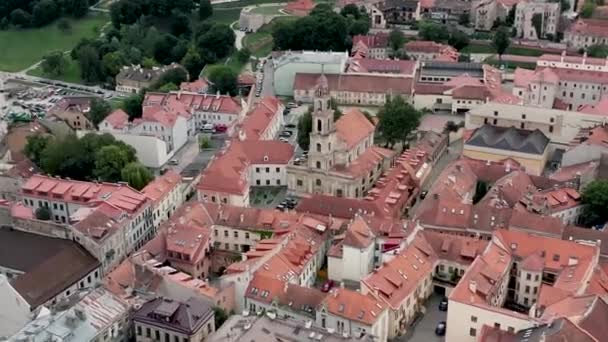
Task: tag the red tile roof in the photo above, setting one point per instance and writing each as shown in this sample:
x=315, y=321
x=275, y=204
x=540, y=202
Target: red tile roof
x=572, y=59
x=358, y=234
x=227, y=172
x=460, y=249
x=297, y=6
x=594, y=27
x=354, y=306
x=198, y=86
x=193, y=102
x=369, y=83
x=382, y=66
x=374, y=41
x=258, y=120
x=162, y=186
x=266, y=289
x=399, y=277
x=85, y=193
x=447, y=52
x=352, y=127
x=600, y=108
x=118, y=119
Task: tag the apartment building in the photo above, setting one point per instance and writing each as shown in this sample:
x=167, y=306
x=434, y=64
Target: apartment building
x=423, y=50
x=519, y=268
x=560, y=126
x=351, y=313
x=373, y=46
x=586, y=32
x=165, y=193
x=529, y=13
x=67, y=199
x=132, y=79
x=165, y=319
x=563, y=82
x=74, y=111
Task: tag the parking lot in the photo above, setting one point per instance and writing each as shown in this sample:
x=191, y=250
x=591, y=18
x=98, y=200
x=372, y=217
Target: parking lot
x=424, y=329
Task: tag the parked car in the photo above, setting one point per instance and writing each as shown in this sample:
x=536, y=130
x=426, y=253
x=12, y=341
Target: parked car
x=173, y=162
x=423, y=194
x=443, y=305
x=327, y=286
x=284, y=140
x=286, y=134
x=440, y=329
x=291, y=105
x=220, y=128
x=290, y=126
x=280, y=207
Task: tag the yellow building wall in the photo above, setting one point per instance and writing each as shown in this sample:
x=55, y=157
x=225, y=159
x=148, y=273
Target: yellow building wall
x=533, y=166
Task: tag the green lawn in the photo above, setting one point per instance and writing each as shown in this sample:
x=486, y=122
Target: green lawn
x=225, y=16
x=260, y=43
x=243, y=3
x=267, y=10
x=22, y=48
x=71, y=74
x=513, y=50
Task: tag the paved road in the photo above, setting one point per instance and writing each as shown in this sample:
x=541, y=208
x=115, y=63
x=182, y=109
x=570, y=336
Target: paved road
x=268, y=84
x=424, y=330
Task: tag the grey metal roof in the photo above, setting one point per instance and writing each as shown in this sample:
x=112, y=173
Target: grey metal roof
x=510, y=139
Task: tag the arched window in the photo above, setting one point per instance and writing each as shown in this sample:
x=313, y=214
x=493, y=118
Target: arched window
x=318, y=182
x=318, y=147
x=319, y=125
x=318, y=165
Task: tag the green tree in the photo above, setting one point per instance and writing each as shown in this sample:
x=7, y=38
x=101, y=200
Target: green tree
x=511, y=15
x=304, y=129
x=458, y=39
x=64, y=25
x=396, y=41
x=193, y=63
x=45, y=12
x=598, y=51
x=204, y=142
x=112, y=62
x=76, y=8
x=216, y=43
x=163, y=48
x=223, y=79
x=180, y=25
x=137, y=175
x=428, y=30
x=397, y=119
x=90, y=64
x=149, y=63
x=109, y=162
x=243, y=55
x=99, y=111
x=501, y=42
x=595, y=201
x=220, y=316
x=174, y=76
x=132, y=106
x=54, y=63
x=464, y=19
x=43, y=214
x=21, y=18
x=588, y=9
x=205, y=10
x=351, y=10
x=34, y=146
x=168, y=87
x=67, y=157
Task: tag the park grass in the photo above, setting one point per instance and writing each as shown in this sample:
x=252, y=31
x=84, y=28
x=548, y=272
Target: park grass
x=70, y=75
x=267, y=10
x=22, y=48
x=225, y=16
x=512, y=50
x=509, y=64
x=244, y=3
x=260, y=43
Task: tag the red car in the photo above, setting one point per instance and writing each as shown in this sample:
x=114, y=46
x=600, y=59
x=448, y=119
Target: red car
x=327, y=286
x=221, y=128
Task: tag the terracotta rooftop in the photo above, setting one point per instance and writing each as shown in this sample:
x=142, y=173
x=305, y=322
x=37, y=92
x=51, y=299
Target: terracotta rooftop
x=227, y=170
x=358, y=234
x=297, y=298
x=600, y=108
x=571, y=59
x=198, y=86
x=375, y=41
x=594, y=27
x=370, y=83
x=354, y=306
x=162, y=186
x=118, y=119
x=381, y=66
x=400, y=276
x=85, y=193
x=257, y=121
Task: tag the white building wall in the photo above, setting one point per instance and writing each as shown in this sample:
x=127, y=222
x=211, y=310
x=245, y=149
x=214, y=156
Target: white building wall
x=268, y=174
x=570, y=215
x=465, y=321
x=334, y=268
x=357, y=263
x=151, y=151
x=353, y=328
x=14, y=309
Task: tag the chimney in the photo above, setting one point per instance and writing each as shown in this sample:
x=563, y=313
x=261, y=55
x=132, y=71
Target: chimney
x=584, y=57
x=285, y=287
x=508, y=167
x=563, y=56
x=242, y=218
x=473, y=286
x=217, y=95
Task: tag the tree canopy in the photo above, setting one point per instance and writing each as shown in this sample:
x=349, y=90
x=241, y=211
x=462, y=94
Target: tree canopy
x=598, y=51
x=304, y=129
x=595, y=201
x=223, y=79
x=86, y=158
x=397, y=119
x=99, y=110
x=205, y=10
x=37, y=13
x=396, y=39
x=501, y=41
x=137, y=175
x=54, y=63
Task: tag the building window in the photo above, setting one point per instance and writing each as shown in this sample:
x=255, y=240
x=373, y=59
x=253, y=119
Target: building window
x=495, y=121
x=474, y=319
x=318, y=147
x=495, y=113
x=299, y=182
x=225, y=233
x=339, y=193
x=318, y=182
x=318, y=165
x=257, y=182
x=257, y=170
x=247, y=236
x=267, y=170
x=522, y=125
x=278, y=169
x=511, y=330
x=472, y=332
x=528, y=276
x=236, y=234
x=497, y=325
x=138, y=330
x=148, y=332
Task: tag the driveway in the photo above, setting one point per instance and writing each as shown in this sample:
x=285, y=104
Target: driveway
x=268, y=83
x=424, y=330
